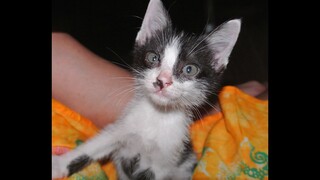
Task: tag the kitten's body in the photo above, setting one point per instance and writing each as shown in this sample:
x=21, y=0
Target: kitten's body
x=175, y=75
x=157, y=138
x=147, y=142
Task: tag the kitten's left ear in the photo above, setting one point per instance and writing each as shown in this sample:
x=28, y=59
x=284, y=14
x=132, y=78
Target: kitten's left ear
x=222, y=41
x=156, y=18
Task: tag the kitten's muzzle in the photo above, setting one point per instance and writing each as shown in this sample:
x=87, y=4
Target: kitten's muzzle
x=158, y=83
x=163, y=80
x=161, y=84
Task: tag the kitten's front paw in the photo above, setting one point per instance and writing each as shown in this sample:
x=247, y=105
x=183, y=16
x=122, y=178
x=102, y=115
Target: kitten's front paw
x=58, y=168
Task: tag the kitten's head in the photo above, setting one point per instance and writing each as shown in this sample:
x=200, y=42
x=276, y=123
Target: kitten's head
x=175, y=69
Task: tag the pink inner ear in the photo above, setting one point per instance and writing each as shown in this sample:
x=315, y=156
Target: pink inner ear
x=155, y=19
x=219, y=49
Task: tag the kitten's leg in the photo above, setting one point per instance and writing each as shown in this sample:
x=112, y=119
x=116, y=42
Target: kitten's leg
x=186, y=169
x=187, y=163
x=94, y=149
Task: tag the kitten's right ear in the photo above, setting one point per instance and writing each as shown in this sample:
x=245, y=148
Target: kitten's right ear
x=222, y=41
x=156, y=18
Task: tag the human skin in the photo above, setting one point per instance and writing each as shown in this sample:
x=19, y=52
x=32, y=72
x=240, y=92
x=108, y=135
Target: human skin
x=86, y=83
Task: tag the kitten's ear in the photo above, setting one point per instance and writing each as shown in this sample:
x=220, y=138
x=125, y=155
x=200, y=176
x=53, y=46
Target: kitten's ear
x=156, y=18
x=222, y=41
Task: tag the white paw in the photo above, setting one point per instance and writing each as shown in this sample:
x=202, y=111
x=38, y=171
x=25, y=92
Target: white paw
x=59, y=169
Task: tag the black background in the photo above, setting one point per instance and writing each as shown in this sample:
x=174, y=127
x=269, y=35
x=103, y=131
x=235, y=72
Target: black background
x=101, y=25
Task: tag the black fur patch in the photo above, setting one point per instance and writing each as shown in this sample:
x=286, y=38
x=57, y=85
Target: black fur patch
x=186, y=152
x=155, y=44
x=78, y=164
x=145, y=175
x=193, y=167
x=129, y=166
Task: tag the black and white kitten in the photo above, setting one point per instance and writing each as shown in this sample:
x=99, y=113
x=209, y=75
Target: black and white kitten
x=175, y=73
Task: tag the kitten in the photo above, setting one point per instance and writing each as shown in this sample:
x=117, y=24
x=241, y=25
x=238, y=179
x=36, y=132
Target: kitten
x=175, y=74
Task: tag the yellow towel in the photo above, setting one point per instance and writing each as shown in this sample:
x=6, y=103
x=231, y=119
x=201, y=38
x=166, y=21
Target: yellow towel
x=232, y=144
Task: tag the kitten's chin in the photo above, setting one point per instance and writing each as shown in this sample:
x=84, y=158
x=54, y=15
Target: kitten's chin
x=162, y=99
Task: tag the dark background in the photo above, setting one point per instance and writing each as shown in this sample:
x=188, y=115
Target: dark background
x=101, y=25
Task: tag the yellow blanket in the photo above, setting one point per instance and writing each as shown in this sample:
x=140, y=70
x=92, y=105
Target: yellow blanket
x=232, y=144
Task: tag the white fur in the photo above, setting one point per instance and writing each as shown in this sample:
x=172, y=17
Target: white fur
x=170, y=55
x=157, y=129
x=157, y=135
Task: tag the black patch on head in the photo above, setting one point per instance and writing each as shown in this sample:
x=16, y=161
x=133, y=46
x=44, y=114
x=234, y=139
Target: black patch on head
x=156, y=44
x=145, y=175
x=186, y=153
x=129, y=166
x=196, y=50
x=78, y=164
x=193, y=167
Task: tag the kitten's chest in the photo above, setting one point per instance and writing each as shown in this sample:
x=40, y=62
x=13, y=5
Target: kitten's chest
x=156, y=128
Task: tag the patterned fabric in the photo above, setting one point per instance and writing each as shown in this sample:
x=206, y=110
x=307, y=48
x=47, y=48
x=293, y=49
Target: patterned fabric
x=232, y=144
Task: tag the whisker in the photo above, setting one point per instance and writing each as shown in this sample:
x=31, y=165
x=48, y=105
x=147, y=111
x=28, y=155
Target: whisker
x=213, y=106
x=195, y=110
x=121, y=78
x=202, y=48
x=130, y=67
x=135, y=16
x=122, y=65
x=125, y=94
x=198, y=44
x=121, y=89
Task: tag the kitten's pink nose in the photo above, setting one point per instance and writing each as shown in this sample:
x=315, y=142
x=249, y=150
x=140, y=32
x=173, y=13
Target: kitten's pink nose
x=163, y=80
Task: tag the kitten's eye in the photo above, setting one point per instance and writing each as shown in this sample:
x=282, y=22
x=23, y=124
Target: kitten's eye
x=190, y=70
x=152, y=58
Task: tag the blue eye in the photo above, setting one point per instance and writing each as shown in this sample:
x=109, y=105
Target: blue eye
x=152, y=58
x=190, y=70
